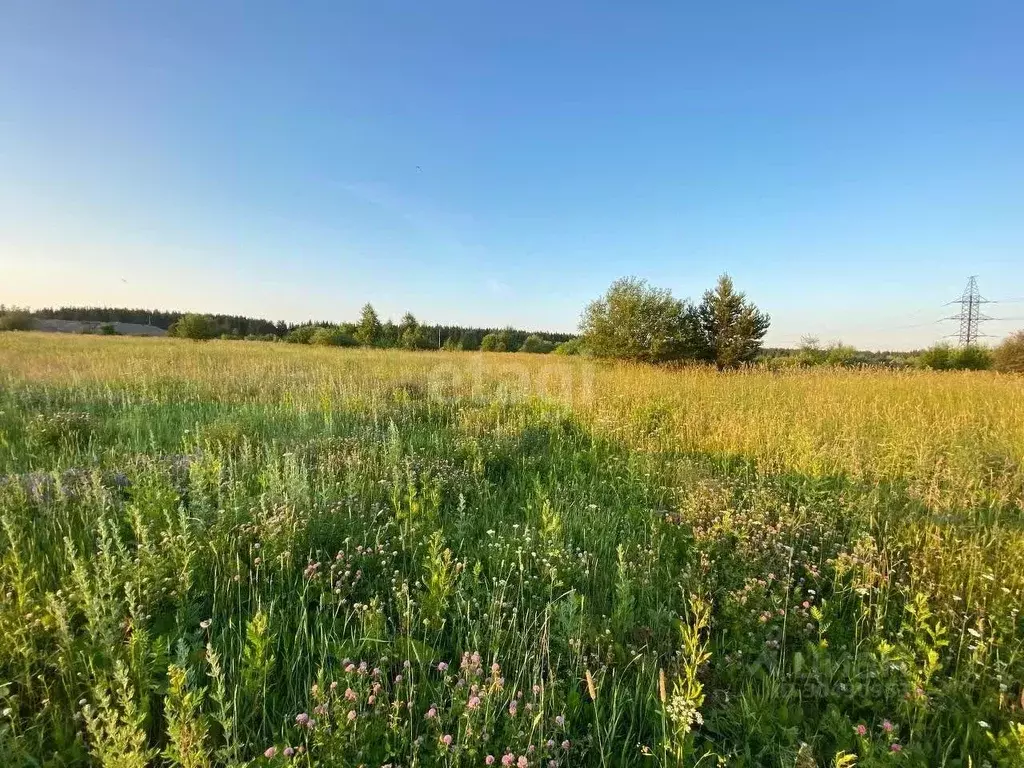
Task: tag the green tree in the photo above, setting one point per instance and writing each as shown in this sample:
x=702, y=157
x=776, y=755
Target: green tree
x=571, y=347
x=469, y=341
x=638, y=322
x=810, y=352
x=411, y=334
x=498, y=341
x=1009, y=355
x=332, y=337
x=193, y=326
x=972, y=358
x=938, y=357
x=15, y=319
x=368, y=332
x=536, y=344
x=731, y=327
x=840, y=354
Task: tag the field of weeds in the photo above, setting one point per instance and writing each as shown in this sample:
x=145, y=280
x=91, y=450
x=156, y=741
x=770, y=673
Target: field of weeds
x=243, y=554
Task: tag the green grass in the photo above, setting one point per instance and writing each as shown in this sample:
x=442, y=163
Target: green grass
x=200, y=545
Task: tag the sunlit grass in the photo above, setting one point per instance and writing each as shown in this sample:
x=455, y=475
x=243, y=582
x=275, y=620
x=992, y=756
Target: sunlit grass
x=197, y=540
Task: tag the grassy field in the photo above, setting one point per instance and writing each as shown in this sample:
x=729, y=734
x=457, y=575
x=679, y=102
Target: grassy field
x=236, y=553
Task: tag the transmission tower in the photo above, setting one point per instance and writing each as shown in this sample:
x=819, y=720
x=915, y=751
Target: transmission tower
x=970, y=316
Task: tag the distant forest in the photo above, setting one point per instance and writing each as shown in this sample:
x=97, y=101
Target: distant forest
x=239, y=327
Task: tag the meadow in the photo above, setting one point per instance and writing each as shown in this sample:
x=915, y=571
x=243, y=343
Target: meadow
x=245, y=554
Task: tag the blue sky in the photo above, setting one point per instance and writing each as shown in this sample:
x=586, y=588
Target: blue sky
x=849, y=163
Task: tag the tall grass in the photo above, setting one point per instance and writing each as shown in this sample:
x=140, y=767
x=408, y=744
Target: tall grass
x=245, y=554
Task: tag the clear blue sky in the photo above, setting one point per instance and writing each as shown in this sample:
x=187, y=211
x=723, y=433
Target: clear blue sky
x=849, y=163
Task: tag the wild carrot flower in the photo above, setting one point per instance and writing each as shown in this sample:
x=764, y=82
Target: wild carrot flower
x=205, y=623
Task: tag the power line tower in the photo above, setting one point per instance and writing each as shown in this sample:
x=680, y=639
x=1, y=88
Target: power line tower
x=970, y=316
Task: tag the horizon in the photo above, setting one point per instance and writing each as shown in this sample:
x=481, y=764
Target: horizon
x=501, y=166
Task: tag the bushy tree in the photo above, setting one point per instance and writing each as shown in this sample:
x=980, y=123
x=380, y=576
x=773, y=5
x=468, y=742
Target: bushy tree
x=411, y=334
x=15, y=319
x=469, y=341
x=972, y=358
x=810, y=352
x=840, y=354
x=536, y=345
x=193, y=326
x=498, y=341
x=636, y=321
x=938, y=357
x=332, y=337
x=368, y=332
x=301, y=334
x=1009, y=355
x=571, y=347
x=731, y=327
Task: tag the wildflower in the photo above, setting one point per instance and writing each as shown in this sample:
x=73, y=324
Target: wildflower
x=447, y=739
x=489, y=760
x=350, y=694
x=288, y=751
x=895, y=747
x=861, y=729
x=522, y=762
x=270, y=753
x=205, y=623
x=350, y=668
x=495, y=668
x=508, y=758
x=334, y=685
x=302, y=718
x=560, y=720
x=536, y=690
x=566, y=745
x=552, y=764
x=887, y=726
x=351, y=715
x=474, y=702
x=442, y=667
x=431, y=713
x=512, y=709
x=371, y=700
x=551, y=744
x=398, y=679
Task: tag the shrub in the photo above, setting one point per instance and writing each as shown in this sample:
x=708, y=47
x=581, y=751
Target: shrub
x=570, y=347
x=496, y=342
x=1009, y=356
x=15, y=320
x=972, y=358
x=193, y=326
x=332, y=337
x=938, y=358
x=536, y=345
